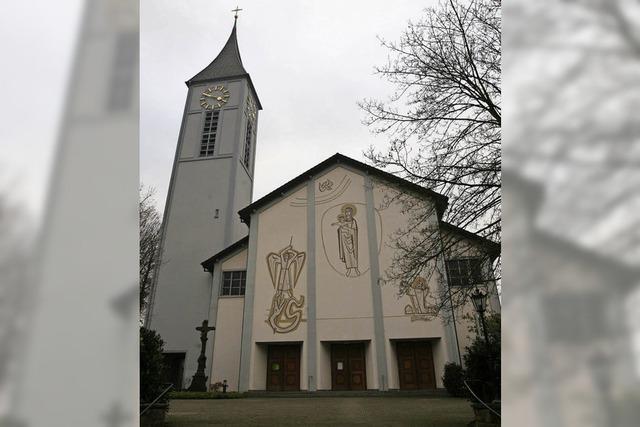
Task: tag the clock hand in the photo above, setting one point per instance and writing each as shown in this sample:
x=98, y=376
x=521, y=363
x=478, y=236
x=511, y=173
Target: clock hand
x=208, y=96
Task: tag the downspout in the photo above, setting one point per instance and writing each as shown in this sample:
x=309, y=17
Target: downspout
x=453, y=313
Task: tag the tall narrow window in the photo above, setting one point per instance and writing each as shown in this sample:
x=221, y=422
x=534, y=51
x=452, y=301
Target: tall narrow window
x=246, y=158
x=233, y=282
x=208, y=142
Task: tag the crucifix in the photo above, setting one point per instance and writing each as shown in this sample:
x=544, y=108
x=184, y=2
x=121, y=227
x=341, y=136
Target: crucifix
x=236, y=10
x=199, y=381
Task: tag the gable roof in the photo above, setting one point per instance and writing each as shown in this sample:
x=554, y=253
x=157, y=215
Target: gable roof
x=209, y=263
x=228, y=64
x=441, y=200
x=492, y=248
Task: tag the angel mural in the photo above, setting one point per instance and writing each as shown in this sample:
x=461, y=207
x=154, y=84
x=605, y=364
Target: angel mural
x=285, y=267
x=348, y=239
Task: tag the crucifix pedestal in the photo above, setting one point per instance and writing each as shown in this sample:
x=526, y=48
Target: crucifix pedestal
x=199, y=381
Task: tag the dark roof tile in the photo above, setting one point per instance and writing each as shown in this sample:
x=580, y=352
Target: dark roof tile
x=227, y=64
x=209, y=263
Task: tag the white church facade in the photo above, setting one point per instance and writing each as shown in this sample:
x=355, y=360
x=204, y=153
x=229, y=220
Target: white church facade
x=293, y=283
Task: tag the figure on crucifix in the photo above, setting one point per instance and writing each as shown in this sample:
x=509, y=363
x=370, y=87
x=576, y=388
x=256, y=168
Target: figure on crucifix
x=199, y=381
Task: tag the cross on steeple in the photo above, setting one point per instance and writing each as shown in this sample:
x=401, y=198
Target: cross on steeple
x=236, y=10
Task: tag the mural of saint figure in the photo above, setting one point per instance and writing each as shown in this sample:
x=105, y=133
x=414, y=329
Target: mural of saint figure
x=418, y=293
x=285, y=268
x=348, y=239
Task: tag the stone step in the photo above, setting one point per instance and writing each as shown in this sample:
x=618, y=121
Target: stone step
x=346, y=393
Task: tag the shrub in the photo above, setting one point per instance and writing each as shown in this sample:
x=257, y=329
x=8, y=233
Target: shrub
x=151, y=366
x=482, y=361
x=453, y=380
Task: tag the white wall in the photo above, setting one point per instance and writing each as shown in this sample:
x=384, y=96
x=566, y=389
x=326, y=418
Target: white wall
x=344, y=305
x=228, y=310
x=277, y=227
x=228, y=333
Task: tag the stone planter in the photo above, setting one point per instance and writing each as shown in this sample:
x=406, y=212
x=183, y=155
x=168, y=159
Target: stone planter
x=154, y=416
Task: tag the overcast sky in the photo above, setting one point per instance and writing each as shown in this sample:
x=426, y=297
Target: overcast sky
x=310, y=62
x=36, y=41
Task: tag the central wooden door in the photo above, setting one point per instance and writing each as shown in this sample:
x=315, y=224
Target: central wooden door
x=415, y=365
x=348, y=371
x=283, y=367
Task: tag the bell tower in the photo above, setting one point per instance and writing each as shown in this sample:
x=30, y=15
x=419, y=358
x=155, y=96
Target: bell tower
x=211, y=180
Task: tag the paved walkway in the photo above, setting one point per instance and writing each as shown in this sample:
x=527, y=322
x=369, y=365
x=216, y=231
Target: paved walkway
x=334, y=411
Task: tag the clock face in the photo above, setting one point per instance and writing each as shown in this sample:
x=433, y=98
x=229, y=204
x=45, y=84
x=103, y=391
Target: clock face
x=214, y=97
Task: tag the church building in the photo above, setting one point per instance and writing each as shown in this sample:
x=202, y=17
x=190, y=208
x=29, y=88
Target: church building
x=291, y=287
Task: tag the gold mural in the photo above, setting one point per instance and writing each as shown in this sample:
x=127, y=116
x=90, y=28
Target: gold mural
x=348, y=238
x=285, y=267
x=345, y=242
x=326, y=185
x=418, y=292
x=327, y=192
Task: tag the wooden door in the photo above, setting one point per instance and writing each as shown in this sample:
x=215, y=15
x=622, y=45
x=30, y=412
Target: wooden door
x=291, y=371
x=424, y=365
x=415, y=365
x=348, y=370
x=283, y=368
x=406, y=366
x=339, y=371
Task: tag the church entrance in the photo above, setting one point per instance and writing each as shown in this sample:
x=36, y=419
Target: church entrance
x=348, y=370
x=174, y=367
x=283, y=367
x=415, y=365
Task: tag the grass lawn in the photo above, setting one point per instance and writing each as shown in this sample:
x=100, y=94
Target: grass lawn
x=418, y=411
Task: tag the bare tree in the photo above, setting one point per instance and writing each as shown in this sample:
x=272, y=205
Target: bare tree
x=150, y=226
x=444, y=123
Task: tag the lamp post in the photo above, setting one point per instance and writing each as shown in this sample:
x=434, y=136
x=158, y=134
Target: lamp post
x=479, y=300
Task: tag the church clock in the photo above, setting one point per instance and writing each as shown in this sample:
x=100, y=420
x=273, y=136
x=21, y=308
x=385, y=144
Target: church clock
x=214, y=97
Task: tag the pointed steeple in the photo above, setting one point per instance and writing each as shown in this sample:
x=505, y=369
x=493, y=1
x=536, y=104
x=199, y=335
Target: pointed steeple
x=227, y=64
